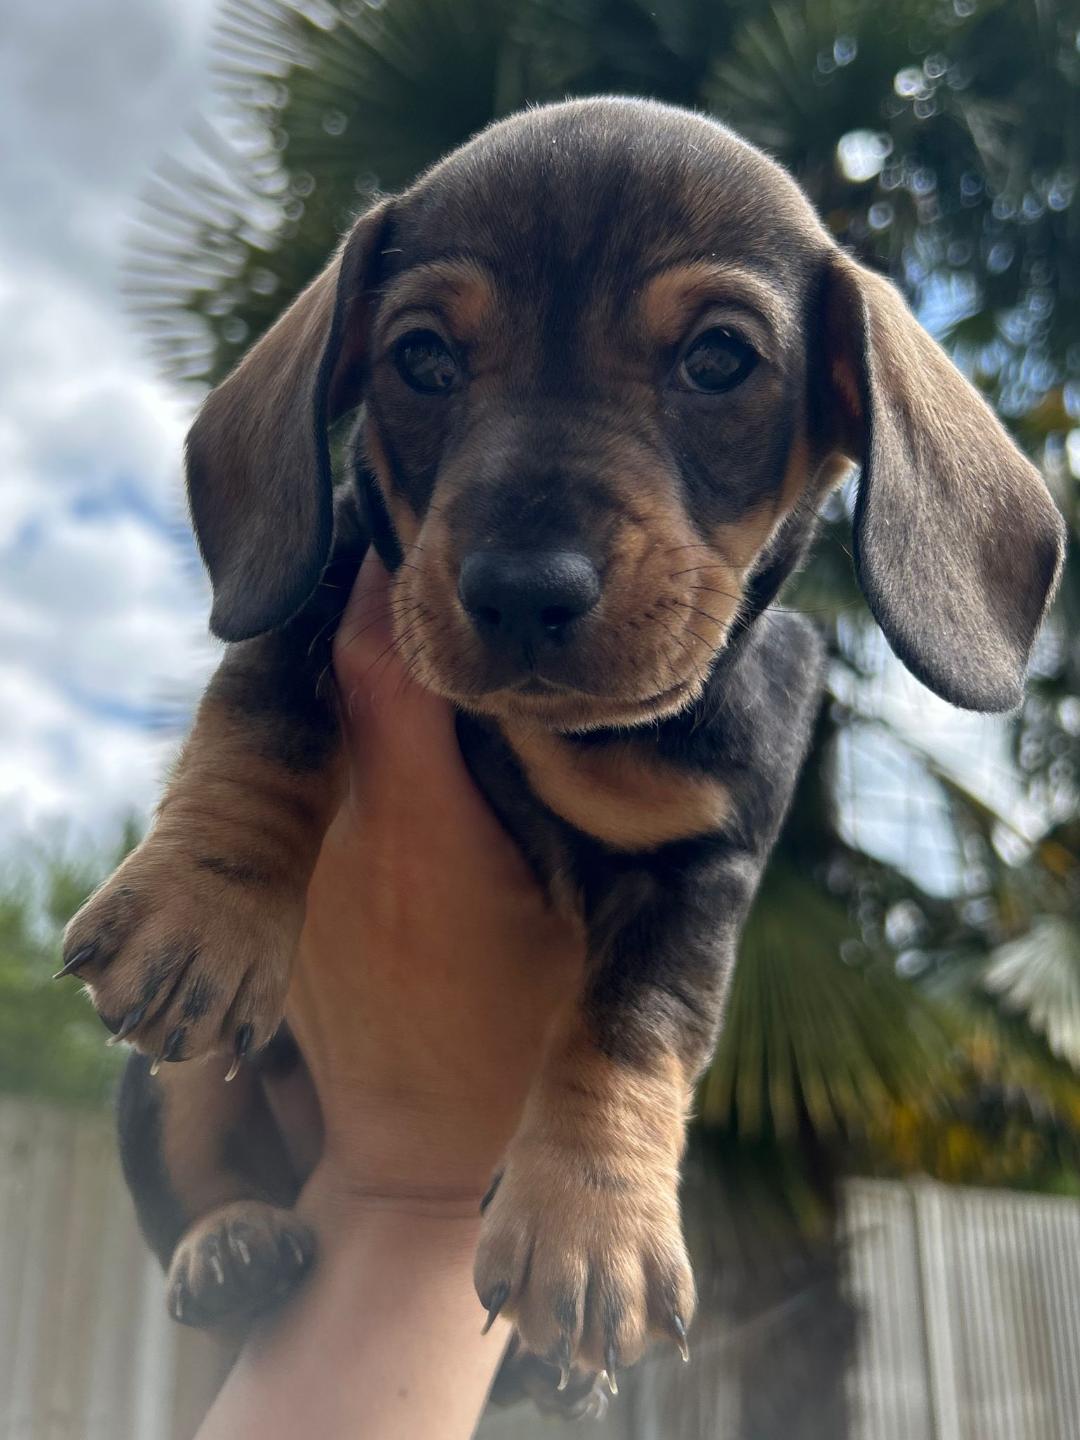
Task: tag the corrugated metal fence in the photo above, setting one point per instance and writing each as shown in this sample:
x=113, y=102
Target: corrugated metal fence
x=971, y=1313
x=970, y=1306
x=86, y=1349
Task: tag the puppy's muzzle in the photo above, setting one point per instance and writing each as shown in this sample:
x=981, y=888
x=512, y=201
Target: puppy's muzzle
x=526, y=604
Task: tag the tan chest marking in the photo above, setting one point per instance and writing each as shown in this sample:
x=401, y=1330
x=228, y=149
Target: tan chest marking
x=618, y=793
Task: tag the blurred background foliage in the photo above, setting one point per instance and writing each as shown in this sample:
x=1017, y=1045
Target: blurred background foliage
x=875, y=1026
x=51, y=1042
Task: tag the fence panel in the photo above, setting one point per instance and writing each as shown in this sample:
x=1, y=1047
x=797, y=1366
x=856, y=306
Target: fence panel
x=86, y=1349
x=969, y=1304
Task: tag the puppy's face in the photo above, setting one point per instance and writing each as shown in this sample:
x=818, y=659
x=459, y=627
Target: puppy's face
x=610, y=360
x=585, y=411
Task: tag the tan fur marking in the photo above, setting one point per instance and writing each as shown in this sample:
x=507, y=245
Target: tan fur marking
x=227, y=799
x=588, y=1206
x=741, y=544
x=210, y=906
x=404, y=521
x=618, y=793
x=458, y=291
x=637, y=1114
x=672, y=298
x=845, y=383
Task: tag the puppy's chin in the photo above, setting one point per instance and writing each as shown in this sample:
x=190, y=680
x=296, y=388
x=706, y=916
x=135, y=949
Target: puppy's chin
x=568, y=711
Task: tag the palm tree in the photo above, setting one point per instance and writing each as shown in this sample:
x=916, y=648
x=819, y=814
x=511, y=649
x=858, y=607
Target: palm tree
x=873, y=1024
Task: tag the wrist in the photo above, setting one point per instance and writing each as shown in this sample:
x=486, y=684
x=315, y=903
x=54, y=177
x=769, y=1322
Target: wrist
x=387, y=1338
x=337, y=1201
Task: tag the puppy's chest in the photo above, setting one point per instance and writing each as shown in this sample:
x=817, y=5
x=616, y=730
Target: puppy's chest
x=620, y=792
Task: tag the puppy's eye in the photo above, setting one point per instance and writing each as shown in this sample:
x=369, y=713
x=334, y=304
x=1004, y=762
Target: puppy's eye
x=425, y=362
x=716, y=361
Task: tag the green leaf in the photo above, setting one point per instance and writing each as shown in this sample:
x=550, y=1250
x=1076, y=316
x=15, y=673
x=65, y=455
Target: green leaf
x=1038, y=976
x=808, y=1034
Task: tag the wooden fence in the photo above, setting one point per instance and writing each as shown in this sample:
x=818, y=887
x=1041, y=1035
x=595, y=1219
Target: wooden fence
x=969, y=1303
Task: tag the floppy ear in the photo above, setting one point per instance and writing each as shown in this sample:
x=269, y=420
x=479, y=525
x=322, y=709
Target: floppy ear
x=958, y=545
x=258, y=459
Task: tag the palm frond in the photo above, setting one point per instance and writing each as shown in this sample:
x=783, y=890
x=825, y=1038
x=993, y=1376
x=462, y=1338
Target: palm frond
x=810, y=1036
x=1038, y=976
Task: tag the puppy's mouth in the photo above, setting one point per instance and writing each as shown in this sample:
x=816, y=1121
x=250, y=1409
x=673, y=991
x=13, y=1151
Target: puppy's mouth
x=541, y=685
x=559, y=705
x=642, y=651
x=621, y=676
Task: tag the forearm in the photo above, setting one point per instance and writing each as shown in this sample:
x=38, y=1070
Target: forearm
x=384, y=1343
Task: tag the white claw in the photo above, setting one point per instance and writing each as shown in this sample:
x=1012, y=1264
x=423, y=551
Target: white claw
x=233, y=1070
x=218, y=1269
x=243, y=1251
x=609, y=1381
x=564, y=1378
x=297, y=1248
x=155, y=1066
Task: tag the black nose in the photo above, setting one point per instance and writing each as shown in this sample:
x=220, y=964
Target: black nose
x=515, y=596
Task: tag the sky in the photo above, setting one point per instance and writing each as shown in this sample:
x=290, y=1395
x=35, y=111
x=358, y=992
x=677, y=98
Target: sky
x=102, y=601
x=103, y=604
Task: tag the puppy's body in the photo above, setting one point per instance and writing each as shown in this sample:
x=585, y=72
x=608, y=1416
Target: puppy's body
x=610, y=362
x=742, y=743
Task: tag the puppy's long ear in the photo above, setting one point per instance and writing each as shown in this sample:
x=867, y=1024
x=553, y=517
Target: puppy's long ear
x=958, y=544
x=258, y=459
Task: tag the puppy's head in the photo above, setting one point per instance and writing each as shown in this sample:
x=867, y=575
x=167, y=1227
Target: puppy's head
x=610, y=361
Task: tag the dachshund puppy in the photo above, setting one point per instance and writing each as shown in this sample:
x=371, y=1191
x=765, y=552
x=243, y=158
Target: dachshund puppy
x=609, y=363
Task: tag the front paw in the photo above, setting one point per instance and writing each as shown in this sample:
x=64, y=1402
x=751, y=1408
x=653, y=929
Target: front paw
x=186, y=954
x=238, y=1262
x=586, y=1257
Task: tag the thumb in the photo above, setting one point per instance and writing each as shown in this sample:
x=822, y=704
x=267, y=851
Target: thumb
x=401, y=737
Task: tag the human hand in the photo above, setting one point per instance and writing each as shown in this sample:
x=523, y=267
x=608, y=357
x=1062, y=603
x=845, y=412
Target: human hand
x=431, y=964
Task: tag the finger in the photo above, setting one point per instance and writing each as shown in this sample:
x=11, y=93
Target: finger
x=403, y=738
x=375, y=684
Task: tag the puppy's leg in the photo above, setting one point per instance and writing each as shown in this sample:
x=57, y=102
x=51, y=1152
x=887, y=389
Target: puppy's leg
x=187, y=949
x=213, y=1188
x=582, y=1245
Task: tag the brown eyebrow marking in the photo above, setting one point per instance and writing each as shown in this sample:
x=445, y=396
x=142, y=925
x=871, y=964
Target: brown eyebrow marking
x=671, y=296
x=461, y=291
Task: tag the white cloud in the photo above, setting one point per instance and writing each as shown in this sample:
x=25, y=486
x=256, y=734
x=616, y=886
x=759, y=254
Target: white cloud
x=102, y=603
x=64, y=776
x=105, y=605
x=91, y=92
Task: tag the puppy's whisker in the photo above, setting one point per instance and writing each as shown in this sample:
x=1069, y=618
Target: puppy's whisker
x=701, y=639
x=685, y=605
x=334, y=620
x=712, y=590
x=391, y=612
x=383, y=658
x=411, y=669
x=674, y=635
x=697, y=569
